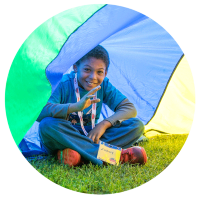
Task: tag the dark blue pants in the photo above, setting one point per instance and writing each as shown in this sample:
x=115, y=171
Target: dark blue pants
x=58, y=134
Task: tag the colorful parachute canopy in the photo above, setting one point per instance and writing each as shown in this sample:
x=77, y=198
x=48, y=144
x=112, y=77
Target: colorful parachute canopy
x=147, y=65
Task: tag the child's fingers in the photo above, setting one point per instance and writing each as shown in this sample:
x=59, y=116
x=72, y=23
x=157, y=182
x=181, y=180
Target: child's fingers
x=95, y=101
x=94, y=90
x=89, y=96
x=92, y=100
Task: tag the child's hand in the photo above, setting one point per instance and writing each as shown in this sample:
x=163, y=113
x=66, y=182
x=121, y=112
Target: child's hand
x=96, y=133
x=86, y=101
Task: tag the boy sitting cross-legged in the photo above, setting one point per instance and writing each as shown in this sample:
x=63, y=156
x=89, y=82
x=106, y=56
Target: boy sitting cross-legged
x=68, y=122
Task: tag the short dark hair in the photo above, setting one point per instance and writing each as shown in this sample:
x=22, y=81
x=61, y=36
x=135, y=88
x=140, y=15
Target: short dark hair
x=98, y=52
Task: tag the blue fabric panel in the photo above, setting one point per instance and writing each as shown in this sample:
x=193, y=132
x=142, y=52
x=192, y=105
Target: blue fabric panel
x=107, y=21
x=143, y=57
x=30, y=144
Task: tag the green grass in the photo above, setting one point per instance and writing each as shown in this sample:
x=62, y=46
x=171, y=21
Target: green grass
x=93, y=179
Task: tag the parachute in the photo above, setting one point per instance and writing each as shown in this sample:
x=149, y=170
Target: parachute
x=146, y=65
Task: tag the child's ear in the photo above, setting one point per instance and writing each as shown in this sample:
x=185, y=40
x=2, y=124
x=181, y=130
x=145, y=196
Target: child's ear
x=75, y=68
x=106, y=72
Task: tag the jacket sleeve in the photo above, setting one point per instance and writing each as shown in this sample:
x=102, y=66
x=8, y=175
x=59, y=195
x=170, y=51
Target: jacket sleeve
x=55, y=107
x=125, y=110
x=54, y=110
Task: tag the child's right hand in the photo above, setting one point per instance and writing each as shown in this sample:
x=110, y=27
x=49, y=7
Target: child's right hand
x=86, y=100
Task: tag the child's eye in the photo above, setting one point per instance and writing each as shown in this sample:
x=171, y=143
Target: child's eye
x=100, y=72
x=87, y=69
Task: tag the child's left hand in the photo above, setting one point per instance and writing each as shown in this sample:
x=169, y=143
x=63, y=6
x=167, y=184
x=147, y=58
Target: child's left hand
x=96, y=133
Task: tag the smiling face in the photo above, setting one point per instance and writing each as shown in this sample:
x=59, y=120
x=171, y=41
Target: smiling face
x=90, y=73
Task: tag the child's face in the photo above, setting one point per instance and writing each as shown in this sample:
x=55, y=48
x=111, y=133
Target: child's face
x=90, y=73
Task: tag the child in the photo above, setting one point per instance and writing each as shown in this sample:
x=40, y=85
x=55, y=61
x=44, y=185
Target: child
x=62, y=129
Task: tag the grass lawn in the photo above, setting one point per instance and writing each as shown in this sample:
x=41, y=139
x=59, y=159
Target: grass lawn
x=92, y=179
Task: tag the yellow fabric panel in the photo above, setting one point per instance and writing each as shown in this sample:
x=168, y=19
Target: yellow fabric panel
x=176, y=110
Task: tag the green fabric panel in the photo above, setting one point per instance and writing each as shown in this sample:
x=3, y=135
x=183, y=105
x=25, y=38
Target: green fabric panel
x=27, y=88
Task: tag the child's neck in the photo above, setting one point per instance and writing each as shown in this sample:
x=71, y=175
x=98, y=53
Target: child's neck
x=80, y=85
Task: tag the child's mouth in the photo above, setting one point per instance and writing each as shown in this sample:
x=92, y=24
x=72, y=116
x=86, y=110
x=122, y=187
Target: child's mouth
x=90, y=83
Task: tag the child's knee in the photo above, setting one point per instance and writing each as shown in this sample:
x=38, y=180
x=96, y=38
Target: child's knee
x=44, y=123
x=138, y=125
x=50, y=125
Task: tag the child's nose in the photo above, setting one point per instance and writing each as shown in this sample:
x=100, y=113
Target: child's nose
x=93, y=75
